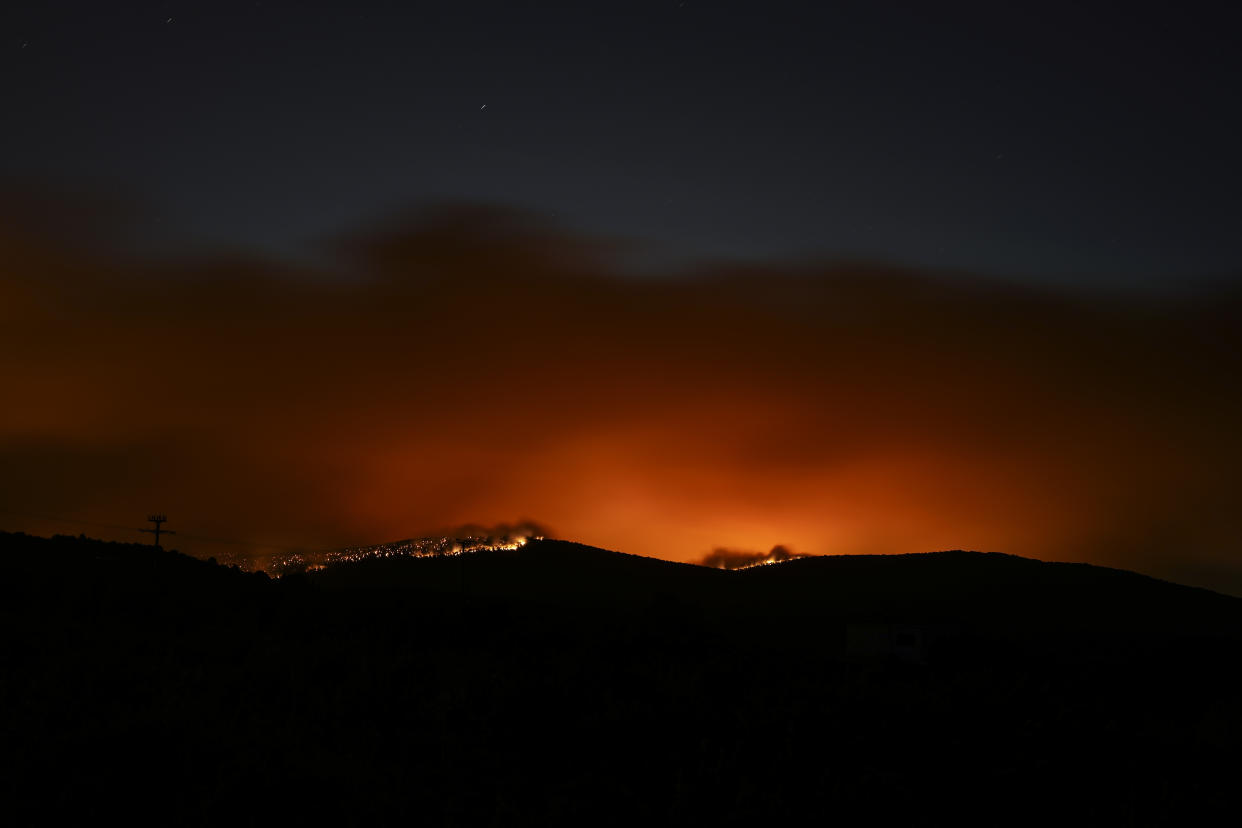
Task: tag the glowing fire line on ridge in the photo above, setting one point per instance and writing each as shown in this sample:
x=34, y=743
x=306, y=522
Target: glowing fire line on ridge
x=430, y=547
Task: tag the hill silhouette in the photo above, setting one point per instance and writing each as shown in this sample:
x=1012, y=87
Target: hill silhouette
x=546, y=571
x=559, y=684
x=1004, y=594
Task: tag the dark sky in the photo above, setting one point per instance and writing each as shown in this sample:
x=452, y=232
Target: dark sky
x=1091, y=144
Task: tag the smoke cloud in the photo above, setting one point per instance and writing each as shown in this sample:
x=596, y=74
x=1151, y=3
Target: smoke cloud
x=469, y=364
x=738, y=559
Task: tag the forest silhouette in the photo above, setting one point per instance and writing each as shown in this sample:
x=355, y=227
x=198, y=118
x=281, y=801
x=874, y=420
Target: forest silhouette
x=563, y=684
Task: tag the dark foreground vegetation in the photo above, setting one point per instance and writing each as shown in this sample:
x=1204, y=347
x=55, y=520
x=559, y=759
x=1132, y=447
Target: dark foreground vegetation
x=564, y=684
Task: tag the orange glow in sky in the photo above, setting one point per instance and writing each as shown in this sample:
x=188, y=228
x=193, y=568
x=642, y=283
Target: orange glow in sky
x=476, y=370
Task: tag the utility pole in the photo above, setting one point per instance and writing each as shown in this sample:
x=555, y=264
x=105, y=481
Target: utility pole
x=157, y=520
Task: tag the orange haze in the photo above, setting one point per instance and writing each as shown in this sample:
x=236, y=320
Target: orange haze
x=475, y=366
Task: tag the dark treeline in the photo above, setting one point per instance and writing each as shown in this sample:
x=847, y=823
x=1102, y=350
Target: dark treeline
x=562, y=684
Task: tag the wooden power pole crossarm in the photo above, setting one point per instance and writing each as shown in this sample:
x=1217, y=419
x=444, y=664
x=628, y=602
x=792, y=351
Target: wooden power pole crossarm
x=158, y=520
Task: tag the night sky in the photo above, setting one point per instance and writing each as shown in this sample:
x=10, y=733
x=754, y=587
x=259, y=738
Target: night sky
x=1085, y=142
x=671, y=277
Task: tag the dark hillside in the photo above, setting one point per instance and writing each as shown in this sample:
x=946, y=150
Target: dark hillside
x=984, y=593
x=543, y=571
x=993, y=591
x=561, y=684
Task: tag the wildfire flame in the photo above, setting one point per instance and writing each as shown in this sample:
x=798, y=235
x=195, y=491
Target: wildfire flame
x=429, y=547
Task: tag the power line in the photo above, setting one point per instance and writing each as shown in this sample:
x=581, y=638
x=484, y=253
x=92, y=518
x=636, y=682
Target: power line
x=183, y=535
x=255, y=544
x=55, y=519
